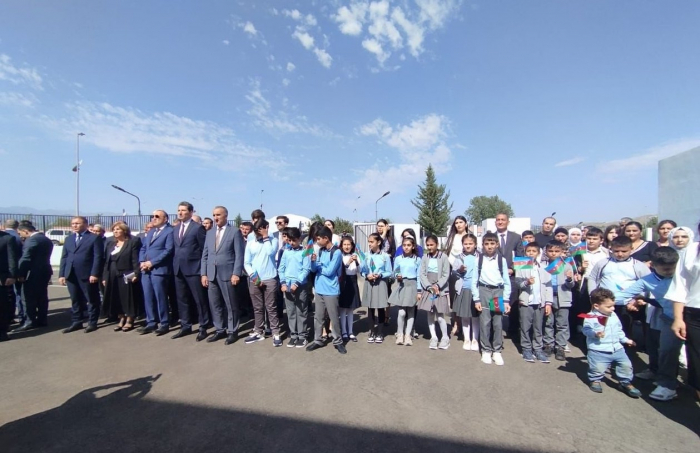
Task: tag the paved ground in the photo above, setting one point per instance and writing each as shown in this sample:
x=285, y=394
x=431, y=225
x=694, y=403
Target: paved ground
x=113, y=391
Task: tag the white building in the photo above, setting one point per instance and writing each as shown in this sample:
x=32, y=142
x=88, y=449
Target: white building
x=679, y=186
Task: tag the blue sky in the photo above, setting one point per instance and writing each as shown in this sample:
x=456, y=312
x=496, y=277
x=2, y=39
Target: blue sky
x=553, y=106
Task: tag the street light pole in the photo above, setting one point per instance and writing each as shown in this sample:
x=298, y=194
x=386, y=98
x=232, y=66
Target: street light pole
x=355, y=210
x=261, y=203
x=376, y=217
x=137, y=199
x=77, y=174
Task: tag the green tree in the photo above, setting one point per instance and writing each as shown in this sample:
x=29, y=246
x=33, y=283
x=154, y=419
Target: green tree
x=238, y=220
x=343, y=226
x=433, y=204
x=652, y=222
x=317, y=218
x=483, y=207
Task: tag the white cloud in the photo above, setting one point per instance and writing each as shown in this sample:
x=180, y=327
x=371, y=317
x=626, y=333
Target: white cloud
x=14, y=98
x=308, y=20
x=435, y=12
x=373, y=46
x=226, y=42
x=248, y=27
x=351, y=19
x=19, y=76
x=573, y=161
x=648, y=158
x=304, y=38
x=323, y=57
x=419, y=143
x=290, y=67
x=286, y=82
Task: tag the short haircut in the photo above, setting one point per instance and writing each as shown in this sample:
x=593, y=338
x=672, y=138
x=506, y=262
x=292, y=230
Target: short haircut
x=621, y=241
x=98, y=225
x=293, y=233
x=26, y=227
x=553, y=244
x=209, y=219
x=257, y=214
x=664, y=256
x=261, y=223
x=561, y=230
x=247, y=224
x=220, y=207
x=527, y=233
x=84, y=219
x=25, y=222
x=600, y=295
x=532, y=245
x=165, y=214
x=122, y=226
x=12, y=224
x=502, y=213
x=283, y=218
x=186, y=204
x=550, y=217
x=324, y=232
x=490, y=237
x=595, y=231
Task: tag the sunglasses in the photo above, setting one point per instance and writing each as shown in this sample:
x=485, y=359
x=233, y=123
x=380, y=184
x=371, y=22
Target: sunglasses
x=279, y=223
x=155, y=216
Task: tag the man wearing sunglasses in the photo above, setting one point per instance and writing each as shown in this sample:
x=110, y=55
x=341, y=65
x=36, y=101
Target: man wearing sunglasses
x=156, y=258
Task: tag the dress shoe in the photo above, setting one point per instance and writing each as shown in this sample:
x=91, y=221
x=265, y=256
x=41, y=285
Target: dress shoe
x=4, y=337
x=181, y=333
x=90, y=328
x=146, y=330
x=73, y=328
x=24, y=327
x=313, y=346
x=162, y=330
x=232, y=338
x=202, y=335
x=341, y=348
x=216, y=337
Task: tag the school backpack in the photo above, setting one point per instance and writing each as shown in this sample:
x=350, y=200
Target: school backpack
x=500, y=259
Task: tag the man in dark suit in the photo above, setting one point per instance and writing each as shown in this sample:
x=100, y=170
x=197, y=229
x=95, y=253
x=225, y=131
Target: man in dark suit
x=189, y=238
x=156, y=260
x=222, y=266
x=17, y=306
x=35, y=273
x=510, y=244
x=81, y=269
x=9, y=252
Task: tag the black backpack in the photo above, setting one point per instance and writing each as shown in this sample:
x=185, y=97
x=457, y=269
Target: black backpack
x=500, y=259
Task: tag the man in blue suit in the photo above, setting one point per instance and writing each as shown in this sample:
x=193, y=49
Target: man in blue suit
x=189, y=237
x=222, y=266
x=81, y=268
x=156, y=258
x=35, y=273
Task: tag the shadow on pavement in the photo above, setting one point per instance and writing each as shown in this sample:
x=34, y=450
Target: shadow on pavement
x=116, y=417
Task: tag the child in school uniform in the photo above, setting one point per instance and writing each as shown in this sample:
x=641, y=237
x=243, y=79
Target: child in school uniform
x=434, y=280
x=556, y=329
x=463, y=306
x=491, y=293
x=375, y=295
x=294, y=272
x=405, y=297
x=535, y=300
x=594, y=253
x=349, y=290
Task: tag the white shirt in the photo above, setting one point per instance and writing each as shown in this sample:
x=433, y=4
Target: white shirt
x=185, y=228
x=351, y=268
x=685, y=287
x=593, y=257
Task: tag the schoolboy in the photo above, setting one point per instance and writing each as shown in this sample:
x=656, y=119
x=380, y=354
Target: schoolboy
x=326, y=265
x=528, y=238
x=594, y=253
x=491, y=287
x=604, y=340
x=534, y=298
x=293, y=272
x=662, y=344
x=558, y=319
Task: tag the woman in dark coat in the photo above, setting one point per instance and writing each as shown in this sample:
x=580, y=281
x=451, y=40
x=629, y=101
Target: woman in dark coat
x=123, y=295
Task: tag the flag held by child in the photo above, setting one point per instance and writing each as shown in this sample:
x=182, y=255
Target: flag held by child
x=522, y=263
x=255, y=278
x=496, y=305
x=556, y=267
x=578, y=250
x=603, y=320
x=309, y=249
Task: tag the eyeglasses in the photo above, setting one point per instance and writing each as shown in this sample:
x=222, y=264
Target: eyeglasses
x=155, y=216
x=279, y=223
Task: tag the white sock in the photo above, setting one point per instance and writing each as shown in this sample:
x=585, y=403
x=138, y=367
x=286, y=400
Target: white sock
x=431, y=324
x=443, y=324
x=466, y=329
x=409, y=323
x=400, y=319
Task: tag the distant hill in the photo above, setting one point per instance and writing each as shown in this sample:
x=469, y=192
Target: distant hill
x=26, y=210
x=643, y=219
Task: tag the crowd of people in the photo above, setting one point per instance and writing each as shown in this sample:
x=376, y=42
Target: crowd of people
x=537, y=289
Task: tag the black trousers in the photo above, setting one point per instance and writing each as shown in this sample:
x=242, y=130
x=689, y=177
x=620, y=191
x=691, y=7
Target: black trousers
x=691, y=316
x=35, y=294
x=190, y=293
x=7, y=295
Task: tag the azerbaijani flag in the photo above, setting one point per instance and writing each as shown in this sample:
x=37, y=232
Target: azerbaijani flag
x=372, y=266
x=578, y=249
x=570, y=261
x=496, y=305
x=255, y=278
x=522, y=263
x=556, y=267
x=309, y=249
x=603, y=320
x=360, y=255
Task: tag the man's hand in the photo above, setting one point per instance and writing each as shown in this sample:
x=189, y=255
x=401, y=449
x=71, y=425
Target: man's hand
x=205, y=281
x=507, y=307
x=93, y=279
x=283, y=288
x=418, y=296
x=477, y=305
x=547, y=310
x=632, y=307
x=62, y=281
x=640, y=302
x=600, y=334
x=10, y=282
x=462, y=269
x=134, y=279
x=235, y=279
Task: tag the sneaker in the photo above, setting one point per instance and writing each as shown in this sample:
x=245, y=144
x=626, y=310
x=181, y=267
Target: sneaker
x=302, y=343
x=407, y=341
x=353, y=338
x=254, y=338
x=433, y=343
x=415, y=335
x=528, y=356
x=370, y=338
x=475, y=345
x=498, y=358
x=399, y=339
x=548, y=350
x=444, y=343
x=596, y=387
x=467, y=346
x=378, y=339
x=661, y=393
x=630, y=390
x=646, y=375
x=541, y=356
x=560, y=355
x=567, y=349
x=292, y=343
x=486, y=357
x=277, y=341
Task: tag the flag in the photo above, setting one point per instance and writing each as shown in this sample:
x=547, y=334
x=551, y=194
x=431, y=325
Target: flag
x=522, y=263
x=309, y=249
x=601, y=319
x=578, y=249
x=360, y=255
x=372, y=266
x=496, y=305
x=556, y=267
x=397, y=270
x=255, y=278
x=570, y=261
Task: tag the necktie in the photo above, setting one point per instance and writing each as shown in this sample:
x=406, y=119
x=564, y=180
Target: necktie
x=182, y=231
x=78, y=237
x=503, y=242
x=218, y=237
x=155, y=235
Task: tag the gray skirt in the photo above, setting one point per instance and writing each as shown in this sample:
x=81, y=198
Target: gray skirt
x=463, y=306
x=375, y=294
x=405, y=294
x=441, y=302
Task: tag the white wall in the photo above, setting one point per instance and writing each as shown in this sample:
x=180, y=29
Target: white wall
x=56, y=255
x=679, y=186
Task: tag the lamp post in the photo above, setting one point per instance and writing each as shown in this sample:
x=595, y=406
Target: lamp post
x=77, y=174
x=354, y=211
x=376, y=217
x=137, y=199
x=261, y=193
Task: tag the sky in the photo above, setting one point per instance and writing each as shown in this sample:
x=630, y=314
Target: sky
x=323, y=106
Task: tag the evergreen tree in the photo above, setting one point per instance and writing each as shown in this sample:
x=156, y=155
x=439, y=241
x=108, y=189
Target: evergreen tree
x=433, y=204
x=238, y=220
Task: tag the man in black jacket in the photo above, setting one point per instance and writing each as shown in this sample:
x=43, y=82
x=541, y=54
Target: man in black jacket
x=35, y=272
x=8, y=273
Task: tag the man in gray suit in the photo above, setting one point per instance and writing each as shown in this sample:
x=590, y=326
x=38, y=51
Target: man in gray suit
x=222, y=266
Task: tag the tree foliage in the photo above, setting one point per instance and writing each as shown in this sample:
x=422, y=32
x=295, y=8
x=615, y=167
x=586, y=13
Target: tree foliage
x=433, y=204
x=483, y=207
x=238, y=220
x=341, y=225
